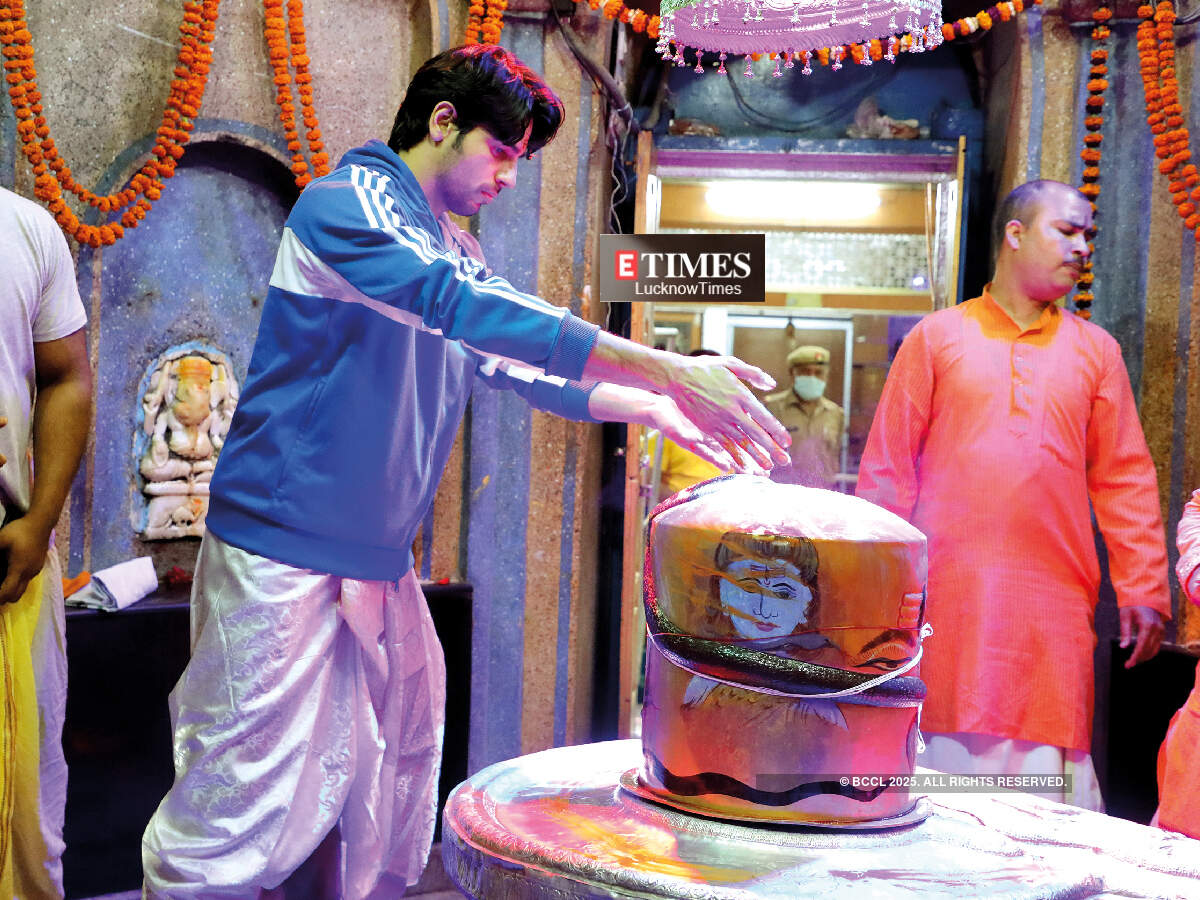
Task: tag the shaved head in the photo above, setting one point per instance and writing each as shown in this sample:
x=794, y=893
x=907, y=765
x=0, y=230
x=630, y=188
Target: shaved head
x=1025, y=201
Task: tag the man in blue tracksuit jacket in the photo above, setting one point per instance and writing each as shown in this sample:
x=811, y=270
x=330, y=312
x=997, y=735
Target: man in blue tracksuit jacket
x=308, y=722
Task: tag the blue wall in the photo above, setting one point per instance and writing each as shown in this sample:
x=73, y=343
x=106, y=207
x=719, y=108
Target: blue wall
x=820, y=105
x=196, y=268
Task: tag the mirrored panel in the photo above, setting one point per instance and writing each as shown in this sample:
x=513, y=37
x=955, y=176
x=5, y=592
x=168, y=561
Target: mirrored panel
x=862, y=240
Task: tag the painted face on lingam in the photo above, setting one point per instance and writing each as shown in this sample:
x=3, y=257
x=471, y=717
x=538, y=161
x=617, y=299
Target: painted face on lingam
x=764, y=598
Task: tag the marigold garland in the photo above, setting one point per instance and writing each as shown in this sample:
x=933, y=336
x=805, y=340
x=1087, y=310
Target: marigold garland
x=1090, y=154
x=485, y=21
x=53, y=176
x=1164, y=114
x=280, y=49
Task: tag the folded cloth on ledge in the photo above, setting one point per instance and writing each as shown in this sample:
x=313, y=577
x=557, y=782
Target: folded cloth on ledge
x=118, y=586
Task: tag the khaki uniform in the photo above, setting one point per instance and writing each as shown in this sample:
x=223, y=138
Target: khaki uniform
x=816, y=449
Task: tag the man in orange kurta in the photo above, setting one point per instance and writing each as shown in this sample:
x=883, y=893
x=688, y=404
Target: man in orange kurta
x=1179, y=757
x=1000, y=419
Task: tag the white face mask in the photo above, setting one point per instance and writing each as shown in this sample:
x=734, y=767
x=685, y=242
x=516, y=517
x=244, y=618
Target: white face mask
x=808, y=387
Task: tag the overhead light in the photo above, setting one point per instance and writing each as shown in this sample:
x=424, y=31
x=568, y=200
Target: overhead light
x=842, y=201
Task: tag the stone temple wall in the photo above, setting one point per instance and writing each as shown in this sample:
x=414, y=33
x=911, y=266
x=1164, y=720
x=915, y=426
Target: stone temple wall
x=516, y=514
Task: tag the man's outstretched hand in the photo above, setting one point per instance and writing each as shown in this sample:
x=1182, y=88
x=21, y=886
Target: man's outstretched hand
x=709, y=392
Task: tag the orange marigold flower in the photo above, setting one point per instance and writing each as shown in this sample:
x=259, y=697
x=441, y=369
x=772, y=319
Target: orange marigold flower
x=1089, y=155
x=1186, y=209
x=1096, y=85
x=984, y=20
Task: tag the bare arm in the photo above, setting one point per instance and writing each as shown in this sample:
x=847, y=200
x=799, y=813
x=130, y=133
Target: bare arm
x=616, y=403
x=707, y=390
x=61, y=419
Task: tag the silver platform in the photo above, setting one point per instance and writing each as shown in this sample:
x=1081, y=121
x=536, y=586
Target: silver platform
x=558, y=825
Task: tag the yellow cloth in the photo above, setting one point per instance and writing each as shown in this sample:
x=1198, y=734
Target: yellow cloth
x=22, y=850
x=680, y=468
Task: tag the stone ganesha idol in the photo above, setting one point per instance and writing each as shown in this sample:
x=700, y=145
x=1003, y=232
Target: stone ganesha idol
x=186, y=411
x=785, y=625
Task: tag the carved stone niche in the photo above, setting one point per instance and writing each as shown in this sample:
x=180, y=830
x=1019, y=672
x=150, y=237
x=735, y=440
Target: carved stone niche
x=186, y=401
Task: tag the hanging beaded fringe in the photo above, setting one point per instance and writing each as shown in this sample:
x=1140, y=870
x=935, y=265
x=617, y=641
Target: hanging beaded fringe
x=913, y=37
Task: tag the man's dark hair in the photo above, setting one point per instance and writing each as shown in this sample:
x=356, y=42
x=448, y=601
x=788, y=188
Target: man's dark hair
x=1022, y=204
x=490, y=89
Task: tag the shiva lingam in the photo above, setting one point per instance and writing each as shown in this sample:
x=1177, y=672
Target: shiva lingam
x=784, y=634
x=779, y=735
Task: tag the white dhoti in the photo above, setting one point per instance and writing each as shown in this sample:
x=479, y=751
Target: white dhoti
x=310, y=701
x=982, y=754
